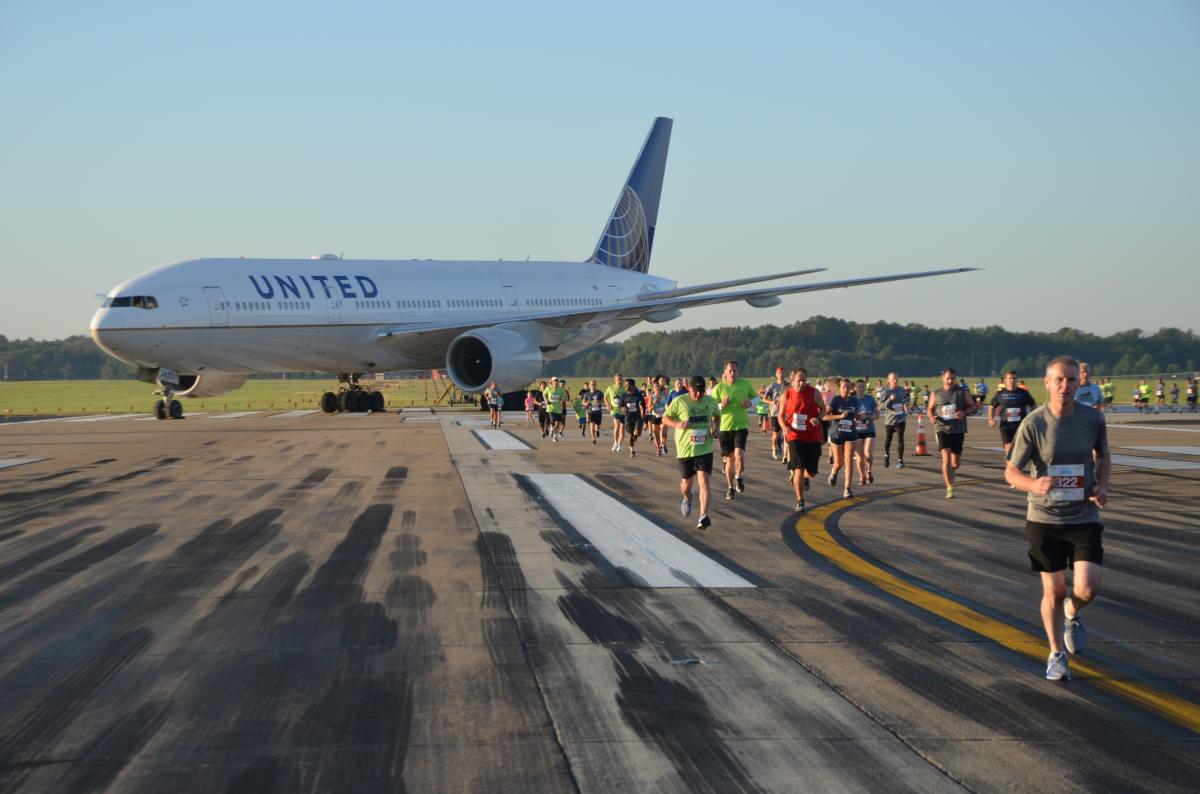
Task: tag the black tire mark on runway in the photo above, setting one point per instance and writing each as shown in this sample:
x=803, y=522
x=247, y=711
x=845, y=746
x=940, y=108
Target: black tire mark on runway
x=114, y=746
x=27, y=562
x=55, y=475
x=53, y=492
x=31, y=732
x=13, y=534
x=503, y=580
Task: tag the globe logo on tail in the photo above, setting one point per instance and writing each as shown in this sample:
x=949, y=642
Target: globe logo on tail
x=625, y=243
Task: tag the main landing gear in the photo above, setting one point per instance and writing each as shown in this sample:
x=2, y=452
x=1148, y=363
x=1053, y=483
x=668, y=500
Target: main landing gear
x=167, y=407
x=352, y=397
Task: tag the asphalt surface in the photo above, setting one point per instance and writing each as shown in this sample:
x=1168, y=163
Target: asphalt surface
x=297, y=602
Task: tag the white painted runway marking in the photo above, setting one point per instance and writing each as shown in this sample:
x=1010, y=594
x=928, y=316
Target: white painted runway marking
x=8, y=463
x=234, y=415
x=649, y=553
x=498, y=439
x=421, y=418
x=185, y=416
x=1169, y=450
x=1134, y=461
x=293, y=414
x=1137, y=426
x=100, y=417
x=474, y=422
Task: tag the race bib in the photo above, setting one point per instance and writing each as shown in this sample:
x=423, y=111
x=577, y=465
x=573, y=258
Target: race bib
x=799, y=422
x=699, y=437
x=949, y=412
x=845, y=426
x=1067, y=485
x=898, y=407
x=1012, y=415
x=861, y=426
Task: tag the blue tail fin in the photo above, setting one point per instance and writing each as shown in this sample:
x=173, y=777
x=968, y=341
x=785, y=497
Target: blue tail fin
x=629, y=235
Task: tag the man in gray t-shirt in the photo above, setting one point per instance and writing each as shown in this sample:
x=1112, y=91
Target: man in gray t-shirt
x=773, y=392
x=948, y=409
x=1060, y=457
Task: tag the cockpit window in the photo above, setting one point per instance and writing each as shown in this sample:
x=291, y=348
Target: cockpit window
x=136, y=301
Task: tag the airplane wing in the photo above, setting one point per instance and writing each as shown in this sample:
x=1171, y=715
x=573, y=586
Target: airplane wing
x=662, y=309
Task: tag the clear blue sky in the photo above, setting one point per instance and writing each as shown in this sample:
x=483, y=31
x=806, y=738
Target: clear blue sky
x=1054, y=144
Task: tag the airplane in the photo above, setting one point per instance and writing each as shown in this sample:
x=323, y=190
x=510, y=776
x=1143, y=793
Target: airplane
x=201, y=327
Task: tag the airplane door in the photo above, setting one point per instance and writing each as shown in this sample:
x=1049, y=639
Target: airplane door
x=335, y=310
x=510, y=299
x=614, y=293
x=218, y=309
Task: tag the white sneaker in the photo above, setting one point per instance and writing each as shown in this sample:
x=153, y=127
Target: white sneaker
x=1056, y=667
x=614, y=448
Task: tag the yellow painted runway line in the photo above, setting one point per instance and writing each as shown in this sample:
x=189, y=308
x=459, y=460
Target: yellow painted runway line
x=812, y=530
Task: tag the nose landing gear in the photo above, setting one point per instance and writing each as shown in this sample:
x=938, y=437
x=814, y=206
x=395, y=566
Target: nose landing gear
x=352, y=397
x=167, y=408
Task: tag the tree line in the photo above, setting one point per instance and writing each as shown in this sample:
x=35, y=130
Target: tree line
x=824, y=345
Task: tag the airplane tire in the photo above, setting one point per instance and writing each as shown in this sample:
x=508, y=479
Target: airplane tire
x=378, y=405
x=160, y=410
x=329, y=403
x=175, y=409
x=346, y=401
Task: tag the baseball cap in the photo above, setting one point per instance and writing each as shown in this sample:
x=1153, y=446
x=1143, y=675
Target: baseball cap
x=697, y=382
x=778, y=370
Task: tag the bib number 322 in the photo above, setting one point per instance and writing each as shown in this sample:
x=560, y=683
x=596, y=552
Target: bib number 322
x=1067, y=483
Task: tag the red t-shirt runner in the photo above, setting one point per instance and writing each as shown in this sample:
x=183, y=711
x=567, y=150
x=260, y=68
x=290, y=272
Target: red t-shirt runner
x=800, y=414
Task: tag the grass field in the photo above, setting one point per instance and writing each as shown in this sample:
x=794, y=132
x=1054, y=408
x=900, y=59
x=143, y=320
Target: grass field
x=76, y=397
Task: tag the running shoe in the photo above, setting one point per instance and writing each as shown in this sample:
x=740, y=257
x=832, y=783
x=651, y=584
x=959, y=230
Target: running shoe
x=618, y=448
x=685, y=506
x=729, y=494
x=871, y=477
x=887, y=460
x=846, y=494
x=800, y=506
x=1074, y=637
x=704, y=523
x=741, y=485
x=862, y=480
x=1056, y=667
x=832, y=479
x=593, y=440
x=554, y=438
x=950, y=492
x=900, y=463
x=614, y=448
x=774, y=454
x=632, y=452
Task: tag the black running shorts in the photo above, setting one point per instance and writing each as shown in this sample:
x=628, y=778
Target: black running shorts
x=805, y=455
x=633, y=422
x=594, y=417
x=824, y=430
x=689, y=466
x=1056, y=547
x=555, y=417
x=951, y=441
x=1007, y=433
x=733, y=438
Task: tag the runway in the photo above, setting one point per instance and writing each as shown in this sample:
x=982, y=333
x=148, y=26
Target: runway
x=288, y=601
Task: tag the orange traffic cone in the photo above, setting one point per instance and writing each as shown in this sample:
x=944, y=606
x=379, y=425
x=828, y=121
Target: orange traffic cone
x=921, y=450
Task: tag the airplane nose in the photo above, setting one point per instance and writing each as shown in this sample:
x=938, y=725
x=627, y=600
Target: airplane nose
x=99, y=325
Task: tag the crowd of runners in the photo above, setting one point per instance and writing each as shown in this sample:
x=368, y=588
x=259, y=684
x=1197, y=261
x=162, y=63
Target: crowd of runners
x=1056, y=453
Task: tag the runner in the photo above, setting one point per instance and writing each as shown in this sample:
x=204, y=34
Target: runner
x=800, y=411
x=1009, y=406
x=1108, y=390
x=1191, y=395
x=771, y=394
x=679, y=390
x=949, y=407
x=842, y=438
x=895, y=402
x=633, y=404
x=864, y=428
x=530, y=407
x=1160, y=395
x=734, y=395
x=1136, y=396
x=694, y=416
x=543, y=413
x=612, y=398
x=1174, y=398
x=593, y=400
x=658, y=407
x=829, y=390
x=493, y=398
x=1088, y=393
x=762, y=410
x=1065, y=447
x=580, y=412
x=556, y=407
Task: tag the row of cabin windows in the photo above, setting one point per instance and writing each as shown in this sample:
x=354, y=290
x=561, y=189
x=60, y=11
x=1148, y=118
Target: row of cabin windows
x=132, y=301
x=262, y=306
x=474, y=303
x=564, y=302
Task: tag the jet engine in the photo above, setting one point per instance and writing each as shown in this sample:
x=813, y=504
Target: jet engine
x=204, y=384
x=502, y=354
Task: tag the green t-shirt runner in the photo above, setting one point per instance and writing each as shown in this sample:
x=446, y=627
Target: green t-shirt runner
x=696, y=439
x=556, y=399
x=613, y=395
x=734, y=416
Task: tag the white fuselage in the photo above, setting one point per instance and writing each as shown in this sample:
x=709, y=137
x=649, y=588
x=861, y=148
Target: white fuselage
x=326, y=315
